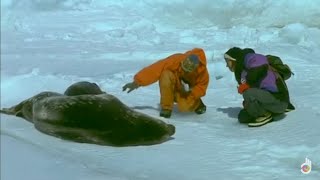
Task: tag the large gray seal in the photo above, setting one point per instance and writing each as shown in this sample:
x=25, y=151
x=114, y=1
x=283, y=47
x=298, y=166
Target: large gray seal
x=92, y=117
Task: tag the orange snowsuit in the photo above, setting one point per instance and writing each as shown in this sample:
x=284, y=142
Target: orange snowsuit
x=169, y=73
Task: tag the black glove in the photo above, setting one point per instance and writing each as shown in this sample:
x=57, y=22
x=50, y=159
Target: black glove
x=131, y=86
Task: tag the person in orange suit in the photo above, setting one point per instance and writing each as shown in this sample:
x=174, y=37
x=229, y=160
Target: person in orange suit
x=183, y=78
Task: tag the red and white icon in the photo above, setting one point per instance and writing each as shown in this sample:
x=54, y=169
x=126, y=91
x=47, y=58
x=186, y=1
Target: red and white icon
x=306, y=166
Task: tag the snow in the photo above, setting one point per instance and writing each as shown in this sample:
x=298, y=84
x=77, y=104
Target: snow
x=47, y=45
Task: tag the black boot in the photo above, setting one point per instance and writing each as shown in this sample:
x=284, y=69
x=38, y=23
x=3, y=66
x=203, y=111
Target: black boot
x=166, y=113
x=201, y=108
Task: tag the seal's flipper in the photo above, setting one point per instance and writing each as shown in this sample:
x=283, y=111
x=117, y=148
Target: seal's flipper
x=9, y=111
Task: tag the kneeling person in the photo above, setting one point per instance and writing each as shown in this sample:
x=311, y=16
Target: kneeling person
x=264, y=91
x=183, y=78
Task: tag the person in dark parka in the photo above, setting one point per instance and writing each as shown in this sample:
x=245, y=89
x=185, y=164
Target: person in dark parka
x=264, y=92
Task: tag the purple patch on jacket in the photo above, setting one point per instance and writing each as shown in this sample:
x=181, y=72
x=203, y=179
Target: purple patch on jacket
x=253, y=60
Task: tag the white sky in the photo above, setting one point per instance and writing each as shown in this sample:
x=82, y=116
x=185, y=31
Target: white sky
x=49, y=44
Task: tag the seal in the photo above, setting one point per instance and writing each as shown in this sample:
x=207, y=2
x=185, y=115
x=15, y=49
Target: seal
x=97, y=118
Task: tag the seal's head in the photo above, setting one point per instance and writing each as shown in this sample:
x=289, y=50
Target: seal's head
x=142, y=129
x=82, y=88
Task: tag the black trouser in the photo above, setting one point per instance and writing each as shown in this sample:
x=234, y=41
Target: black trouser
x=257, y=103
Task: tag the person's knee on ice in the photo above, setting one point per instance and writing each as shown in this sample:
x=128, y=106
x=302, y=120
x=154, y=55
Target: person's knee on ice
x=186, y=104
x=190, y=104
